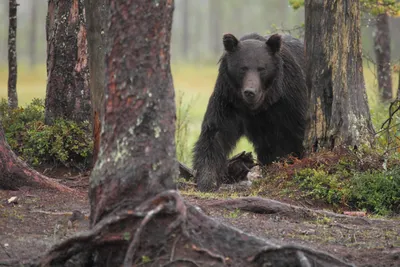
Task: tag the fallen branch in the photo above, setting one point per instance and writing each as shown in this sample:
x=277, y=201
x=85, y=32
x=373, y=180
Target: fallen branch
x=270, y=206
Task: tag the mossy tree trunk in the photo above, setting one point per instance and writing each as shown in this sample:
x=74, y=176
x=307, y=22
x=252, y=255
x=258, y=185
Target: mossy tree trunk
x=339, y=112
x=12, y=55
x=96, y=36
x=67, y=92
x=382, y=53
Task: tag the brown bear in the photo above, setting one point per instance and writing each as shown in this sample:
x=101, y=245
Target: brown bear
x=260, y=93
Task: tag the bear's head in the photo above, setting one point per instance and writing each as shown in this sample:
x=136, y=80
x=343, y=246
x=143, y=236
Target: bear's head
x=253, y=65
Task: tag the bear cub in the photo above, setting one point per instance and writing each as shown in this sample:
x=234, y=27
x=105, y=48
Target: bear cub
x=260, y=93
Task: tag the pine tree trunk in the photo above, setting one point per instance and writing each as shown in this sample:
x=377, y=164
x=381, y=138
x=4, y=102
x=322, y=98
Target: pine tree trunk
x=96, y=36
x=339, y=112
x=33, y=34
x=382, y=53
x=137, y=150
x=15, y=173
x=67, y=92
x=12, y=55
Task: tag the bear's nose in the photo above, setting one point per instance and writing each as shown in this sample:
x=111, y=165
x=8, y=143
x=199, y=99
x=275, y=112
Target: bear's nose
x=249, y=93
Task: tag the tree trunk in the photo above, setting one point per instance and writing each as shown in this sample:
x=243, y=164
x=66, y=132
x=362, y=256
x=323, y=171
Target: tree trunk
x=96, y=36
x=33, y=33
x=382, y=53
x=135, y=215
x=339, y=112
x=67, y=92
x=12, y=55
x=185, y=33
x=15, y=173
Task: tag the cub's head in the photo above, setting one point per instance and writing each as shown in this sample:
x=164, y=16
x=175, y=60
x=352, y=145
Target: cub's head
x=252, y=65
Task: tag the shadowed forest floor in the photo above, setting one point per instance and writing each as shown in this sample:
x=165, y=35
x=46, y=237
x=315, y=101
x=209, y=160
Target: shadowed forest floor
x=39, y=218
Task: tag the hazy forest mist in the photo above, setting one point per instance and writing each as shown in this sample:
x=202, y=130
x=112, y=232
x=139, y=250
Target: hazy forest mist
x=197, y=30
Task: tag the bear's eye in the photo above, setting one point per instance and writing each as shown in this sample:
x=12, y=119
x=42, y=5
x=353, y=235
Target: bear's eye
x=261, y=69
x=244, y=69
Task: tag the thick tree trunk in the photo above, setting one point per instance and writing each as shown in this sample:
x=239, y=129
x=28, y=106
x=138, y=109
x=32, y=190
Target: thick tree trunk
x=67, y=93
x=96, y=21
x=12, y=55
x=135, y=214
x=339, y=112
x=33, y=33
x=382, y=53
x=15, y=173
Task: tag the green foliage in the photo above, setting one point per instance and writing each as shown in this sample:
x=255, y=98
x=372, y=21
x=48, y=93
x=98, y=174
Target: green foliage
x=65, y=142
x=375, y=7
x=375, y=191
x=321, y=185
x=182, y=129
x=296, y=4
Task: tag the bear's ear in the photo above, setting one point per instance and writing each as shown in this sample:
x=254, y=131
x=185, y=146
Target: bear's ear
x=274, y=42
x=230, y=42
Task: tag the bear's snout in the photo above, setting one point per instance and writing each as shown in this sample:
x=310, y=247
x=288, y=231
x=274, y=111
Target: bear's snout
x=249, y=93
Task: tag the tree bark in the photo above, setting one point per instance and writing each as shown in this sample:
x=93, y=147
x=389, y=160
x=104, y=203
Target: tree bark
x=339, y=112
x=12, y=55
x=382, y=53
x=33, y=34
x=67, y=92
x=96, y=36
x=15, y=173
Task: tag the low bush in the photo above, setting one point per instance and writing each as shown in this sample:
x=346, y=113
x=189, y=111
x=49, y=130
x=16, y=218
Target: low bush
x=65, y=142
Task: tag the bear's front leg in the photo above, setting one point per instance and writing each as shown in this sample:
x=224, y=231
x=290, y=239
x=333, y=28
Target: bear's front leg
x=211, y=151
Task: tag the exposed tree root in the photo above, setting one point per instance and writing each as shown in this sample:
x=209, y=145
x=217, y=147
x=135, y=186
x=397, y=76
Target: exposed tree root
x=201, y=241
x=270, y=206
x=15, y=173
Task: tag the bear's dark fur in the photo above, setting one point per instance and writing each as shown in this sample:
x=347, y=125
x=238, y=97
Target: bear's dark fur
x=260, y=93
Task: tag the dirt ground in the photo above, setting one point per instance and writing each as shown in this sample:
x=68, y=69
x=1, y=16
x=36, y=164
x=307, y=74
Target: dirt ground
x=39, y=218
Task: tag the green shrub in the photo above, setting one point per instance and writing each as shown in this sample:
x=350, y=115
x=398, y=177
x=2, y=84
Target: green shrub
x=65, y=142
x=375, y=191
x=183, y=150
x=323, y=186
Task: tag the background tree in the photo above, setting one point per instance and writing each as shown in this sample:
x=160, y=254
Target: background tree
x=186, y=29
x=381, y=11
x=96, y=27
x=382, y=54
x=12, y=55
x=67, y=92
x=33, y=34
x=339, y=112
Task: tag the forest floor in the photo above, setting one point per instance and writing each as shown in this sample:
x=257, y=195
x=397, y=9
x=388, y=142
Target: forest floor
x=39, y=218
